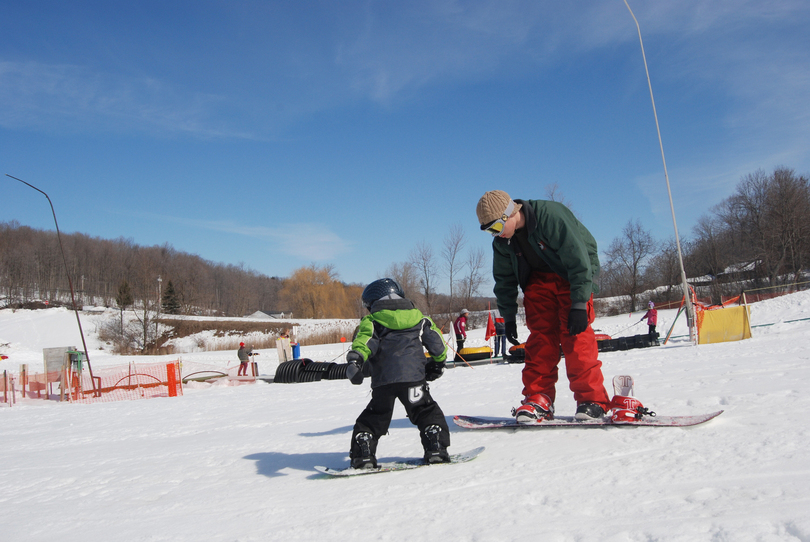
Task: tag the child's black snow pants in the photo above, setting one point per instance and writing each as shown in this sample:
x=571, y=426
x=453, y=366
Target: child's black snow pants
x=420, y=407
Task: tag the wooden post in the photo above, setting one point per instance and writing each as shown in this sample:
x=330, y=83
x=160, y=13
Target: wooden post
x=63, y=383
x=23, y=377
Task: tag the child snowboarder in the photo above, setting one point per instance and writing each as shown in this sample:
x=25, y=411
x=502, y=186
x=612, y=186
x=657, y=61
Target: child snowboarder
x=652, y=320
x=391, y=340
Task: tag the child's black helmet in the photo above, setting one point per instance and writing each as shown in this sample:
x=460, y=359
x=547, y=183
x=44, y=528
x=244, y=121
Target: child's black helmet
x=379, y=289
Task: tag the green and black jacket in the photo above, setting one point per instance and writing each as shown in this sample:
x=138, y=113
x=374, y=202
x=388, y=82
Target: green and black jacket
x=392, y=339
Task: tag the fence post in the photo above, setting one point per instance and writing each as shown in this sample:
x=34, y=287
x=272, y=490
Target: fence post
x=171, y=370
x=23, y=377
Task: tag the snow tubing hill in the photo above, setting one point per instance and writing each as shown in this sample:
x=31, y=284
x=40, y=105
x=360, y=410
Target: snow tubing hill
x=306, y=370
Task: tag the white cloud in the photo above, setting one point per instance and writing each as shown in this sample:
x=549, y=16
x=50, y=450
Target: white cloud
x=60, y=96
x=307, y=241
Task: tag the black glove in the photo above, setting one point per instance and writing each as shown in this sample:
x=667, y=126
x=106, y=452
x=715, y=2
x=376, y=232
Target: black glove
x=354, y=372
x=433, y=370
x=511, y=332
x=354, y=355
x=577, y=321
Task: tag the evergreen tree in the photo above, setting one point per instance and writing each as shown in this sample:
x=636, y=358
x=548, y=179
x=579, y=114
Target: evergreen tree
x=170, y=302
x=123, y=299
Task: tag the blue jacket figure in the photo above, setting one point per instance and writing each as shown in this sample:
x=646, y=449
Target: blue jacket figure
x=392, y=339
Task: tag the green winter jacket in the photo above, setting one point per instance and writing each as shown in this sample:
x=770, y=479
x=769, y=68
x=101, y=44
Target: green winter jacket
x=393, y=339
x=561, y=241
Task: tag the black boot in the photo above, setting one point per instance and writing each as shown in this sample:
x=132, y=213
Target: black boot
x=435, y=451
x=363, y=450
x=589, y=411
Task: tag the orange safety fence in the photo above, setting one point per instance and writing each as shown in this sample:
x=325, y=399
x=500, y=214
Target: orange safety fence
x=134, y=381
x=113, y=383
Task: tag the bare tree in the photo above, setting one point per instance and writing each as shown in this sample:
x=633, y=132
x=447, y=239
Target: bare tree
x=451, y=251
x=789, y=221
x=145, y=290
x=554, y=193
x=626, y=259
x=424, y=262
x=470, y=284
x=316, y=292
x=665, y=270
x=710, y=251
x=123, y=299
x=31, y=269
x=769, y=218
x=406, y=276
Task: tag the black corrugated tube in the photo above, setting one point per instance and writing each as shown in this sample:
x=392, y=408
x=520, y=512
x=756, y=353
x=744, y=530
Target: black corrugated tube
x=306, y=370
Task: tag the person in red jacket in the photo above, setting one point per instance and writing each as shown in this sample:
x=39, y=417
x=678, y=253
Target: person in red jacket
x=460, y=327
x=652, y=318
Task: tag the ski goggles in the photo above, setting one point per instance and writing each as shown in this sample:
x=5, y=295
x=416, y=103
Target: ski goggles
x=496, y=226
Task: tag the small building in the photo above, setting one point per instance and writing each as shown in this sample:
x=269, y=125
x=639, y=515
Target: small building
x=271, y=315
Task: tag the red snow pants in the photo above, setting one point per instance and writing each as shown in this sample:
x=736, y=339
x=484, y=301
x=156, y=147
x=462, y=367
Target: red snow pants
x=547, y=300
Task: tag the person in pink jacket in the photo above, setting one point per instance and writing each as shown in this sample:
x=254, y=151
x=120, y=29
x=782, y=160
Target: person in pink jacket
x=652, y=318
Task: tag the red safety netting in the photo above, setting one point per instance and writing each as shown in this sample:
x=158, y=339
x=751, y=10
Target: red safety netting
x=123, y=383
x=115, y=383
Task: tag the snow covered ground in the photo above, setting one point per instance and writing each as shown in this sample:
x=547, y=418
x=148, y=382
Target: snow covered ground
x=235, y=463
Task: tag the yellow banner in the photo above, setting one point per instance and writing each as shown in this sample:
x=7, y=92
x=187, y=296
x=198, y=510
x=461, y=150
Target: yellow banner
x=722, y=325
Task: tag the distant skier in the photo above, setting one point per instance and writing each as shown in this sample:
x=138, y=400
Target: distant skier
x=391, y=339
x=652, y=320
x=460, y=327
x=244, y=356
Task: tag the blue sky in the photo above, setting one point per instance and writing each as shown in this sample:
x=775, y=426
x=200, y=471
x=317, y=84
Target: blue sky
x=280, y=134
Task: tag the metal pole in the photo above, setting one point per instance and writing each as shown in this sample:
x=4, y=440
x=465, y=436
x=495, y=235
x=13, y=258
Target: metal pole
x=67, y=272
x=690, y=311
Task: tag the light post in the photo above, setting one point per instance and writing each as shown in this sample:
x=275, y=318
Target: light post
x=160, y=295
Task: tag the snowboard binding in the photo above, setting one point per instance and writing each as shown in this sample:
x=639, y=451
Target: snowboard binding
x=626, y=408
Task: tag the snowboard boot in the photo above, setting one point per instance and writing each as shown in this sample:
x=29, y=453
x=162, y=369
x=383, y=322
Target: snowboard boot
x=362, y=452
x=589, y=411
x=435, y=451
x=534, y=409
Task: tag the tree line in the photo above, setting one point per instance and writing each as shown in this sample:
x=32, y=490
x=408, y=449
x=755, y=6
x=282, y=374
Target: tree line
x=31, y=269
x=152, y=280
x=761, y=234
x=757, y=237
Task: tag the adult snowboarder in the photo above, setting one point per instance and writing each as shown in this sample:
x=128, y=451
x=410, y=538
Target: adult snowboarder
x=391, y=340
x=541, y=247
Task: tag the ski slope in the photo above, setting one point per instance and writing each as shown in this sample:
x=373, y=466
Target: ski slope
x=235, y=463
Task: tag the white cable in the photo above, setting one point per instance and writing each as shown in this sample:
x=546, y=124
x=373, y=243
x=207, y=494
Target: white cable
x=689, y=308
